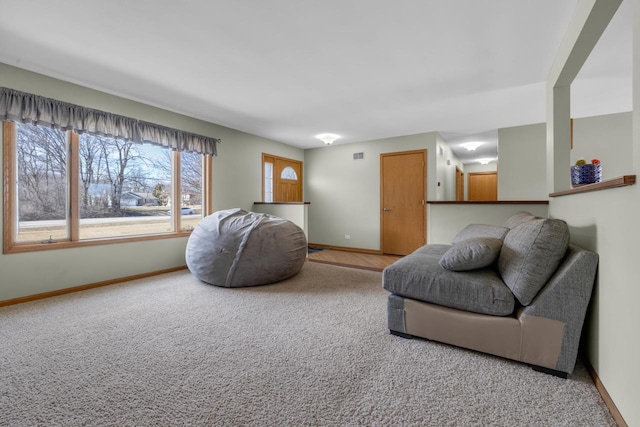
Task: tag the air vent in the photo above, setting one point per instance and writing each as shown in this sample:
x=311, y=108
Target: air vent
x=358, y=156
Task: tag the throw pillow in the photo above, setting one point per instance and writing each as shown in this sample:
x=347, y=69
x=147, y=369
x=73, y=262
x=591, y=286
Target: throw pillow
x=519, y=218
x=480, y=230
x=471, y=254
x=530, y=254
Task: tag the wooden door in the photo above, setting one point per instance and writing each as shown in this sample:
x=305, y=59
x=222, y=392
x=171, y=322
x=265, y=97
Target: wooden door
x=459, y=185
x=403, y=210
x=281, y=179
x=483, y=186
x=288, y=180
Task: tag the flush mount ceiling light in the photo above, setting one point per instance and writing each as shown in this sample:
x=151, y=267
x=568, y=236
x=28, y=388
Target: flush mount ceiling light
x=471, y=146
x=327, y=138
x=485, y=161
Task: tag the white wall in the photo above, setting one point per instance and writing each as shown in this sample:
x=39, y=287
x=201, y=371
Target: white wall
x=446, y=166
x=237, y=182
x=522, y=159
x=345, y=193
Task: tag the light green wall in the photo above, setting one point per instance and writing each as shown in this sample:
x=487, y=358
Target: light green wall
x=522, y=149
x=607, y=138
x=345, y=193
x=606, y=222
x=446, y=220
x=237, y=182
x=522, y=173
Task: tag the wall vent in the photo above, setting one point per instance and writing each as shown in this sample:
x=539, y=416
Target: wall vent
x=358, y=156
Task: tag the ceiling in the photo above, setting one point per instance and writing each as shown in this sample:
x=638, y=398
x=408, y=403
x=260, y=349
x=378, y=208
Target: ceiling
x=288, y=70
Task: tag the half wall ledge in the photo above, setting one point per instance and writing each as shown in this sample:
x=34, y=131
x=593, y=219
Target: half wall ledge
x=621, y=181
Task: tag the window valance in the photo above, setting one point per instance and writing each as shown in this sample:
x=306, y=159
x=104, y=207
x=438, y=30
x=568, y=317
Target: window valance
x=24, y=107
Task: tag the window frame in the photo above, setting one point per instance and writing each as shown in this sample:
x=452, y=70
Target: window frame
x=9, y=138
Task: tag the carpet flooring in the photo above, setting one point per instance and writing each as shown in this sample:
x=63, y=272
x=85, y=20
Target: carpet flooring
x=313, y=350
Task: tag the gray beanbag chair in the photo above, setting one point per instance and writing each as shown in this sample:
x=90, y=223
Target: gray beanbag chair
x=234, y=248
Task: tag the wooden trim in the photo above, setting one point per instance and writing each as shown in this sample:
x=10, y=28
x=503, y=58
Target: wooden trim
x=608, y=401
x=208, y=186
x=66, y=244
x=65, y=291
x=176, y=191
x=621, y=181
x=9, y=246
x=340, y=264
x=571, y=125
x=8, y=155
x=347, y=249
x=489, y=202
x=74, y=187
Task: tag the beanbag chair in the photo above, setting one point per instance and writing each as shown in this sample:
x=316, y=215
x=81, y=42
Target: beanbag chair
x=235, y=248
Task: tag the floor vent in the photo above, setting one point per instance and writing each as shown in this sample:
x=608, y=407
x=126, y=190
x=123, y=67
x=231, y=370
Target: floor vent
x=358, y=156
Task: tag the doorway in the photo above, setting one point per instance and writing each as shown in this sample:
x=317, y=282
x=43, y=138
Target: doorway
x=281, y=179
x=403, y=177
x=483, y=186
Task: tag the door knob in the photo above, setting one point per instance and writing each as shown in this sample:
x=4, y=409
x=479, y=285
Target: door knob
x=386, y=209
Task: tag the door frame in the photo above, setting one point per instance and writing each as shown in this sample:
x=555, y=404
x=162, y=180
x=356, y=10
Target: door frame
x=266, y=156
x=459, y=185
x=424, y=196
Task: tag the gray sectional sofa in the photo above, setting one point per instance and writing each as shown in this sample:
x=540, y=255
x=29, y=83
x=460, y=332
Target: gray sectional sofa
x=518, y=291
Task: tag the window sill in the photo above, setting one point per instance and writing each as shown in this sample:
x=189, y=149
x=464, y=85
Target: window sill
x=66, y=244
x=621, y=181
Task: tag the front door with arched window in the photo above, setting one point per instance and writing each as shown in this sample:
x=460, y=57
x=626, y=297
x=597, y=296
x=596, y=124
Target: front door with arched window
x=282, y=179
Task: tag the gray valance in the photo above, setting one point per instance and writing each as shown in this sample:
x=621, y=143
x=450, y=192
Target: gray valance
x=24, y=107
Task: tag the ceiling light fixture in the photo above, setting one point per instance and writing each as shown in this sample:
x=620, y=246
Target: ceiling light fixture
x=471, y=146
x=485, y=161
x=327, y=138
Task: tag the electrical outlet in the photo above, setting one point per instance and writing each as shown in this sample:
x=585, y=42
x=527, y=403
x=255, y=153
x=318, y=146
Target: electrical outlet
x=347, y=237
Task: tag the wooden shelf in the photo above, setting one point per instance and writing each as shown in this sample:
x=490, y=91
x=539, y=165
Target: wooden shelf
x=621, y=181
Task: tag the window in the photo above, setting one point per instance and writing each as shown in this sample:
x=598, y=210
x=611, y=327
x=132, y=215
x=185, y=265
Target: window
x=289, y=173
x=70, y=190
x=268, y=181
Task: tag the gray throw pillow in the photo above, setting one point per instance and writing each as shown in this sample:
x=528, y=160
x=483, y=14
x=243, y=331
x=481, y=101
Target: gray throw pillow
x=519, y=218
x=530, y=254
x=480, y=230
x=471, y=254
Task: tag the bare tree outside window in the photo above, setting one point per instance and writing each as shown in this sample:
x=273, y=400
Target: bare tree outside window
x=120, y=183
x=42, y=182
x=123, y=189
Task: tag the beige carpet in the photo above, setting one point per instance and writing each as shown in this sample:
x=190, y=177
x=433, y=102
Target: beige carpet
x=313, y=350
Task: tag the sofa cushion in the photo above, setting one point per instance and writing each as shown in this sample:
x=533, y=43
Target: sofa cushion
x=519, y=218
x=530, y=254
x=419, y=276
x=471, y=254
x=480, y=230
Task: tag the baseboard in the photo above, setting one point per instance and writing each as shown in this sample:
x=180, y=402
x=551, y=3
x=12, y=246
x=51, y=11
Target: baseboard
x=347, y=249
x=608, y=401
x=65, y=291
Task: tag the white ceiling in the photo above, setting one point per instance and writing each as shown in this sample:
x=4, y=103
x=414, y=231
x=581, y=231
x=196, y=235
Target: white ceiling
x=289, y=69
